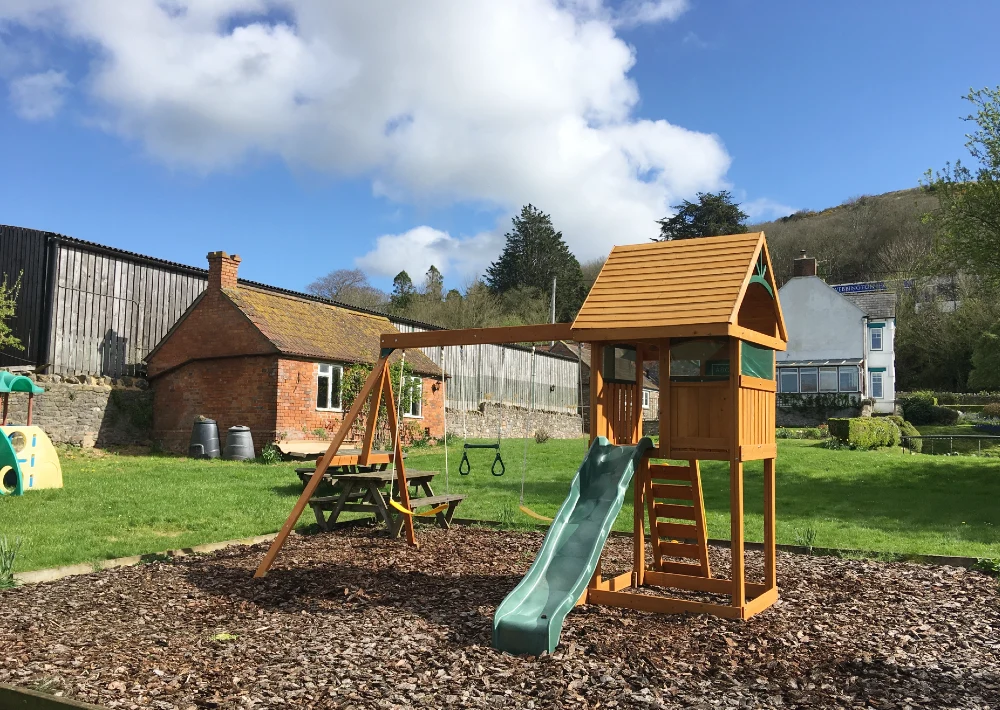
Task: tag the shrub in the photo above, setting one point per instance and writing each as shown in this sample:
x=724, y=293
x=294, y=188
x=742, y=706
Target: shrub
x=8, y=556
x=865, y=432
x=918, y=407
x=541, y=436
x=945, y=416
x=270, y=454
x=907, y=429
x=991, y=410
x=807, y=433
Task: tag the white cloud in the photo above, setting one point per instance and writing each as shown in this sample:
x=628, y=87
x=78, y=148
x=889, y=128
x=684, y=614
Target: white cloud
x=763, y=209
x=492, y=103
x=416, y=250
x=37, y=97
x=645, y=12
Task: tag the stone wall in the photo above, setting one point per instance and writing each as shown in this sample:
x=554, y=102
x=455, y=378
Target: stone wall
x=88, y=411
x=482, y=424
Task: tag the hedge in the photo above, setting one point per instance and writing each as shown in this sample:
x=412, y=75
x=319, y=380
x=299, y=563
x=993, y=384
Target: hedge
x=958, y=397
x=922, y=408
x=907, y=429
x=865, y=432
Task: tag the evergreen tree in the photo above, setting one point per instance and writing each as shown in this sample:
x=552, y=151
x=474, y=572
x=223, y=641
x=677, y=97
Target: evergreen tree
x=534, y=253
x=402, y=291
x=713, y=215
x=434, y=284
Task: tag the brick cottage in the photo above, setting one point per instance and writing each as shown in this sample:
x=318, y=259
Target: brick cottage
x=271, y=361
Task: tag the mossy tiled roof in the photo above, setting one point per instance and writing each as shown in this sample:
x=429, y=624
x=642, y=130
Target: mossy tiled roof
x=311, y=329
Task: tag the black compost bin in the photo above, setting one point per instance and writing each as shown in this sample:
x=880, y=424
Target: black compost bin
x=204, y=439
x=239, y=444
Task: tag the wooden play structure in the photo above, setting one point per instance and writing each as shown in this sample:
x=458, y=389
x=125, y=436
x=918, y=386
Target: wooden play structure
x=706, y=310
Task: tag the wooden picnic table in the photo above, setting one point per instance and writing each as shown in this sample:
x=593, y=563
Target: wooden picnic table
x=366, y=492
x=346, y=461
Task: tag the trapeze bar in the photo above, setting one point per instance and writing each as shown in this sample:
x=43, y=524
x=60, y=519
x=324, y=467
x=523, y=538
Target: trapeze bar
x=481, y=446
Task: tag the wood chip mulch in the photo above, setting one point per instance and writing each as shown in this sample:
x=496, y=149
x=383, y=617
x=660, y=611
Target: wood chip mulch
x=352, y=619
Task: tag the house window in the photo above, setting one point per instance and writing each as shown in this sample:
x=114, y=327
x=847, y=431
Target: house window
x=875, y=336
x=828, y=379
x=808, y=379
x=328, y=380
x=849, y=379
x=645, y=399
x=414, y=407
x=789, y=379
x=877, y=392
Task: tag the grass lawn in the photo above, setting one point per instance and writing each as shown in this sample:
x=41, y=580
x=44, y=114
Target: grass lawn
x=115, y=505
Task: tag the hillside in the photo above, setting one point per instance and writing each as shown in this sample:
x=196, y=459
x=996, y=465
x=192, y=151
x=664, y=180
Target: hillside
x=867, y=238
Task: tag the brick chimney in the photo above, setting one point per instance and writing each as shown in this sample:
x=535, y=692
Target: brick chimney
x=222, y=270
x=804, y=265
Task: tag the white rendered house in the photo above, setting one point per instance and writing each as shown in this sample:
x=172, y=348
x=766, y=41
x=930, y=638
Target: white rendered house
x=838, y=343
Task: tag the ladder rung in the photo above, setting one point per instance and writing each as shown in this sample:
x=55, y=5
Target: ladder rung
x=682, y=568
x=680, y=512
x=677, y=530
x=666, y=472
x=663, y=490
x=679, y=549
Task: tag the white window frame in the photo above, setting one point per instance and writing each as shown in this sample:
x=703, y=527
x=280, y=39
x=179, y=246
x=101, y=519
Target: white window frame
x=325, y=369
x=857, y=377
x=789, y=370
x=815, y=371
x=645, y=399
x=881, y=384
x=871, y=338
x=408, y=414
x=836, y=375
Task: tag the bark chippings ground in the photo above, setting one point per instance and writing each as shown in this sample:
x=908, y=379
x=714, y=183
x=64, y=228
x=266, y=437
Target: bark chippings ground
x=351, y=619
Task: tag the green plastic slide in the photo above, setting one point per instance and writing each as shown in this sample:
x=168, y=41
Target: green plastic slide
x=530, y=619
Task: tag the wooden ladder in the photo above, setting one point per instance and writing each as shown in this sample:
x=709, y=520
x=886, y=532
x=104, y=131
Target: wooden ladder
x=674, y=493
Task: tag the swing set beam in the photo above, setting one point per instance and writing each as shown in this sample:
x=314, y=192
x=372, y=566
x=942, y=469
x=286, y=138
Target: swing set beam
x=477, y=336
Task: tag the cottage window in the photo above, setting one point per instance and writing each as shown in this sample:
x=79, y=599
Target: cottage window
x=877, y=391
x=789, y=379
x=645, y=399
x=413, y=407
x=875, y=334
x=828, y=379
x=328, y=382
x=849, y=379
x=808, y=379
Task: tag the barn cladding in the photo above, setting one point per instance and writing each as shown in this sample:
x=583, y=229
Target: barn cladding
x=89, y=309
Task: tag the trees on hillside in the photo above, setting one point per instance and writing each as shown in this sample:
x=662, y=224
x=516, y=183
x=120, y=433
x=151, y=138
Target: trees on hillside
x=714, y=214
x=967, y=221
x=533, y=253
x=349, y=286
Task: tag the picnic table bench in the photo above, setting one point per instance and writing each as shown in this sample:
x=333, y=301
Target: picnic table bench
x=365, y=492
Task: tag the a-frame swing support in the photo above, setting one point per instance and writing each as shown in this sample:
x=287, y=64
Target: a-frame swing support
x=376, y=390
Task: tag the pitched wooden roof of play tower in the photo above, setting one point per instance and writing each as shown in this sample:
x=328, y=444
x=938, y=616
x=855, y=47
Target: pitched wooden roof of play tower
x=677, y=288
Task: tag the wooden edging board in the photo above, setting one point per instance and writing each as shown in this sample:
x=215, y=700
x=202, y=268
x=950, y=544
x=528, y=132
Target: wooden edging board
x=14, y=698
x=55, y=573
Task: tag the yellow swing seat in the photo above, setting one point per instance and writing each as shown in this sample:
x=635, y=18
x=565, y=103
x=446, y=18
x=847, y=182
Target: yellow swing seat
x=433, y=511
x=532, y=514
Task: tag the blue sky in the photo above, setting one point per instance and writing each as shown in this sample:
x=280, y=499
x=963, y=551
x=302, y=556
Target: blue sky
x=298, y=134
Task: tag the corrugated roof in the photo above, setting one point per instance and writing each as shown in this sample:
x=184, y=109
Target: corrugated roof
x=880, y=304
x=676, y=283
x=297, y=326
